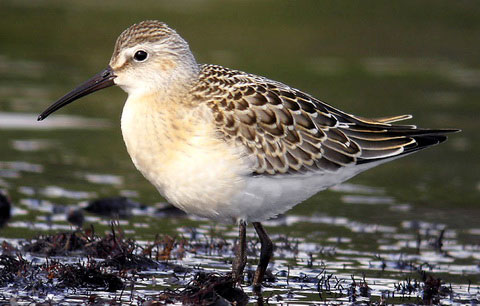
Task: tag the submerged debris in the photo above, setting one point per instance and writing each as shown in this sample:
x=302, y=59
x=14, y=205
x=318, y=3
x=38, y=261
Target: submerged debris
x=5, y=209
x=433, y=289
x=56, y=244
x=116, y=207
x=85, y=276
x=54, y=275
x=168, y=210
x=10, y=268
x=130, y=261
x=82, y=243
x=75, y=217
x=206, y=289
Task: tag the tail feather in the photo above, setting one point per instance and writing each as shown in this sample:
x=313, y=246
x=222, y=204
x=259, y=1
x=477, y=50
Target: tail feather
x=415, y=143
x=389, y=119
x=378, y=139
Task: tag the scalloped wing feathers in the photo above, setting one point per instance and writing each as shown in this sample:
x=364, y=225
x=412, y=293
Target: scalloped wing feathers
x=289, y=131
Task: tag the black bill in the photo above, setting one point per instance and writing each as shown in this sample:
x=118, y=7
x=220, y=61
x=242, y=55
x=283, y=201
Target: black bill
x=99, y=81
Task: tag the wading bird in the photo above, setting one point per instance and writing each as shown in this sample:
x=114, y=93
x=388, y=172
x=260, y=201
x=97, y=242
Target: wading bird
x=233, y=146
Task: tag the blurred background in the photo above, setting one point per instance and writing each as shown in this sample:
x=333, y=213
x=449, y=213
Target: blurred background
x=370, y=58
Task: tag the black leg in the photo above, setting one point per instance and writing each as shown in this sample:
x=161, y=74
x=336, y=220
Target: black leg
x=241, y=254
x=266, y=254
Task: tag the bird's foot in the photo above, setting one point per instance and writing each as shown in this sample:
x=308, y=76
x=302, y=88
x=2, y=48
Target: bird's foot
x=240, y=259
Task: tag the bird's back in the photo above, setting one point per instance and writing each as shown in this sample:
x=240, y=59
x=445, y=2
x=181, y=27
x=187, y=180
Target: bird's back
x=291, y=132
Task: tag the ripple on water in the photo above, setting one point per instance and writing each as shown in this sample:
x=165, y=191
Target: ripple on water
x=452, y=70
x=357, y=188
x=107, y=179
x=28, y=121
x=59, y=192
x=21, y=166
x=31, y=145
x=361, y=199
x=26, y=69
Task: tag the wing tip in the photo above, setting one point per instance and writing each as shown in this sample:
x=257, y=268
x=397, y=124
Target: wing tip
x=422, y=141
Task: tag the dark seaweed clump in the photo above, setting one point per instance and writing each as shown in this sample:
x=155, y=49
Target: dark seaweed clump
x=112, y=263
x=87, y=264
x=81, y=242
x=53, y=275
x=206, y=289
x=5, y=209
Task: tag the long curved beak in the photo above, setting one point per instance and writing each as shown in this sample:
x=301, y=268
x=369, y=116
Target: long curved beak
x=101, y=80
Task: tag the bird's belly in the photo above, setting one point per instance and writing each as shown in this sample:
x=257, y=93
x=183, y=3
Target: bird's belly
x=263, y=197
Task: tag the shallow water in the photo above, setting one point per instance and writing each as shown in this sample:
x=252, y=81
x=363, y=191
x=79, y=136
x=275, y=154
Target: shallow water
x=419, y=58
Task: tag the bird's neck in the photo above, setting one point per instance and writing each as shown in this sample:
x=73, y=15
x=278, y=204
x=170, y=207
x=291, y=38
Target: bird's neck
x=164, y=81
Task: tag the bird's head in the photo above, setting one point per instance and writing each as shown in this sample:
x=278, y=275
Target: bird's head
x=149, y=57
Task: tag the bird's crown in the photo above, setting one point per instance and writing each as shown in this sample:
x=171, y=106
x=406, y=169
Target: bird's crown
x=148, y=31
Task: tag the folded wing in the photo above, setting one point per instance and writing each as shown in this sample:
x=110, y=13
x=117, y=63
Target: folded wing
x=289, y=131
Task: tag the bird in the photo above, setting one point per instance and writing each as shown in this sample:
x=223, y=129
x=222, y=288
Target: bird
x=233, y=146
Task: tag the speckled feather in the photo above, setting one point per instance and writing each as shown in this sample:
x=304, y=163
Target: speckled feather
x=148, y=31
x=289, y=131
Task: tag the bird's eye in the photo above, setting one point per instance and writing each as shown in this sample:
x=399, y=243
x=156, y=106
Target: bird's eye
x=140, y=56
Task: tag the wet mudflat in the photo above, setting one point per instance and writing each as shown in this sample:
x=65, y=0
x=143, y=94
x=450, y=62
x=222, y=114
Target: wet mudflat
x=415, y=263
x=404, y=233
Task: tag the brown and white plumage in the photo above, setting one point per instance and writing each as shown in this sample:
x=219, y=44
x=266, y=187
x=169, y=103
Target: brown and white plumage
x=289, y=131
x=229, y=145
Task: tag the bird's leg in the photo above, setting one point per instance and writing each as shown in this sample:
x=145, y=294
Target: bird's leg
x=241, y=254
x=266, y=254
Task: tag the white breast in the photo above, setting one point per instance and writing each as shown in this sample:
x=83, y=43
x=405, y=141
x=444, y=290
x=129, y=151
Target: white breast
x=177, y=151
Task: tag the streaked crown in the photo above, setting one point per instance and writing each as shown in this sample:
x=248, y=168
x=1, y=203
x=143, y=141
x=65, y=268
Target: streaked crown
x=151, y=57
x=148, y=31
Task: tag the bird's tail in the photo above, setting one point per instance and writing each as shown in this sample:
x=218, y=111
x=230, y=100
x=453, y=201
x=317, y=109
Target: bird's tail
x=379, y=139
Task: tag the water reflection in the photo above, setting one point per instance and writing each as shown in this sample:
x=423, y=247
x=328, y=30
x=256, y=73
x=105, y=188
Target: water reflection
x=25, y=121
x=31, y=145
x=396, y=66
